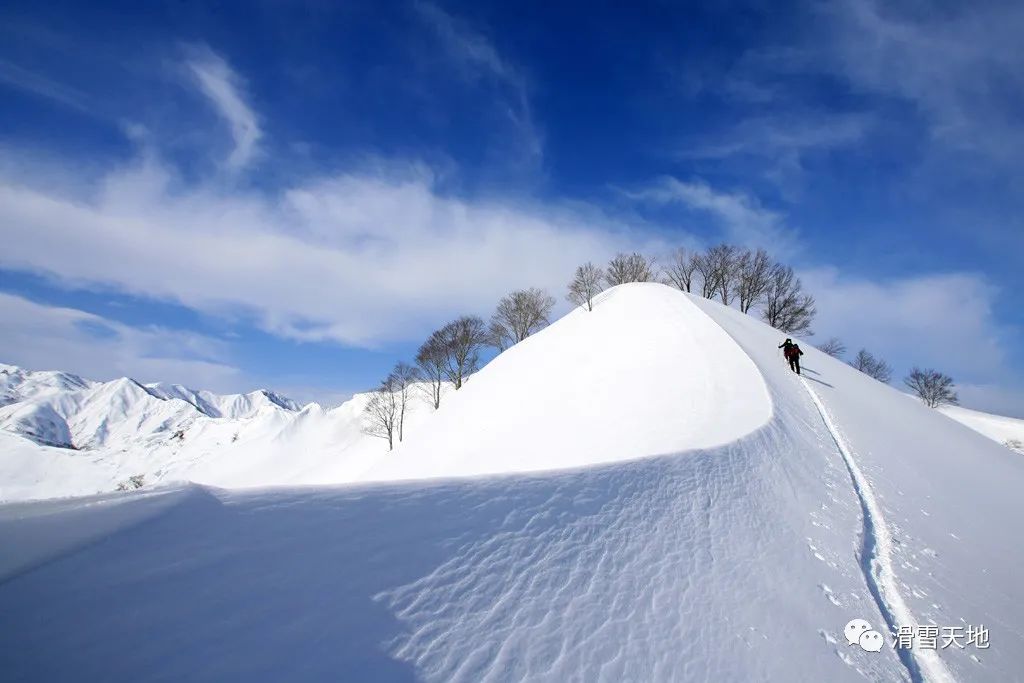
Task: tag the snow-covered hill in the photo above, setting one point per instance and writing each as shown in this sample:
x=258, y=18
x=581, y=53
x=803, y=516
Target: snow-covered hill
x=85, y=437
x=721, y=519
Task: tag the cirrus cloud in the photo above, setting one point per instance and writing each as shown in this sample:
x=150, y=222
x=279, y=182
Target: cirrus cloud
x=358, y=258
x=224, y=89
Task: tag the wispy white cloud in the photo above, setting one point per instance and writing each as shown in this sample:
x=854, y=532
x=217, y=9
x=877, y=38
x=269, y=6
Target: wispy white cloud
x=959, y=66
x=778, y=146
x=42, y=337
x=356, y=257
x=992, y=398
x=942, y=320
x=741, y=216
x=365, y=257
x=223, y=87
x=944, y=80
x=38, y=84
x=478, y=58
x=465, y=43
x=787, y=135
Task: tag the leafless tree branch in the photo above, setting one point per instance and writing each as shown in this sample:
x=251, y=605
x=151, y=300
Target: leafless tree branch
x=585, y=285
x=519, y=315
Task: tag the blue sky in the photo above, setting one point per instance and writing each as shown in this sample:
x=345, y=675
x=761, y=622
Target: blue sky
x=234, y=195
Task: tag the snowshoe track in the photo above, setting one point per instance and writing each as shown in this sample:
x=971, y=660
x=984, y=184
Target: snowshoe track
x=876, y=561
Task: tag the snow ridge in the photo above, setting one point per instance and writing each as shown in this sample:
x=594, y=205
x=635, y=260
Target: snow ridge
x=876, y=562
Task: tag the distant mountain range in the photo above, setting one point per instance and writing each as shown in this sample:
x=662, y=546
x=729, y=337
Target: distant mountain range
x=59, y=409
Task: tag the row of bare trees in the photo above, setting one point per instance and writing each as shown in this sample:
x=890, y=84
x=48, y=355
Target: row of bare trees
x=934, y=388
x=734, y=275
x=450, y=355
x=749, y=278
x=387, y=406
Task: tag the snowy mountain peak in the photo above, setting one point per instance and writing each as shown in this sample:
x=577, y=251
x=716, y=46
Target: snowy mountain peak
x=64, y=410
x=17, y=384
x=279, y=400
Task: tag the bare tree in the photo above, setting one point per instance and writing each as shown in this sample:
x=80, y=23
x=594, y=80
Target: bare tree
x=753, y=276
x=932, y=387
x=682, y=264
x=629, y=268
x=708, y=270
x=872, y=366
x=431, y=360
x=786, y=306
x=723, y=261
x=381, y=412
x=833, y=347
x=585, y=285
x=404, y=377
x=519, y=315
x=462, y=340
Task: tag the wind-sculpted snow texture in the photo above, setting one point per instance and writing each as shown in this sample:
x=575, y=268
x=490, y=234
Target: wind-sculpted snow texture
x=690, y=567
x=735, y=562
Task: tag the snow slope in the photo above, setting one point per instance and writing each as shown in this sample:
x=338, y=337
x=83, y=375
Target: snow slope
x=629, y=379
x=731, y=557
x=233, y=406
x=21, y=385
x=996, y=427
x=63, y=437
x=942, y=488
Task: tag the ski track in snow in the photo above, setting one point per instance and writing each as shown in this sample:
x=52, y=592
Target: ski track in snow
x=876, y=562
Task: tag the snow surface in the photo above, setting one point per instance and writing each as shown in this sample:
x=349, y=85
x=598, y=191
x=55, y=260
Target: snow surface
x=995, y=427
x=944, y=490
x=733, y=556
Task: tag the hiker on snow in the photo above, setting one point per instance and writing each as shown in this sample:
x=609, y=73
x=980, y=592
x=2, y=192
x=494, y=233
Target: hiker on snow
x=791, y=351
